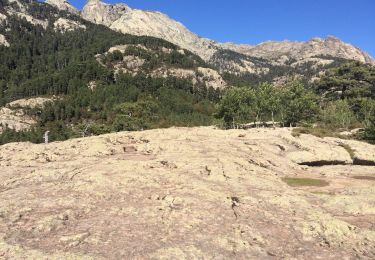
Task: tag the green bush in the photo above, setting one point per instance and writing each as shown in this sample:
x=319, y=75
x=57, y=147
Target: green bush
x=338, y=114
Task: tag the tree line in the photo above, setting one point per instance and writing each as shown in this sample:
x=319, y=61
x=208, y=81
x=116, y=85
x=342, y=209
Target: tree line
x=343, y=98
x=47, y=62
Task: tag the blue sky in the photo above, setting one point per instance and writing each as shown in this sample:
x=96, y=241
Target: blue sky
x=255, y=21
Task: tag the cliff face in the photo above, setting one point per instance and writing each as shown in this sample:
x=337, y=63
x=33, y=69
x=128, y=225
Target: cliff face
x=98, y=12
x=3, y=41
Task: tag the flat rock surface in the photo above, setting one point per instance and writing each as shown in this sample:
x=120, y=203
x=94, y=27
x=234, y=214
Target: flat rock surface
x=182, y=193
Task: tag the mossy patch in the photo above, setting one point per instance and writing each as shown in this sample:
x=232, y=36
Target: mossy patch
x=301, y=182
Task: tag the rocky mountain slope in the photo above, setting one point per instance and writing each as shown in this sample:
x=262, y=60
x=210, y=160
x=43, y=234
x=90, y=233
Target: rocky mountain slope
x=51, y=52
x=134, y=61
x=187, y=193
x=155, y=57
x=127, y=20
x=137, y=59
x=288, y=51
x=122, y=18
x=63, y=5
x=269, y=61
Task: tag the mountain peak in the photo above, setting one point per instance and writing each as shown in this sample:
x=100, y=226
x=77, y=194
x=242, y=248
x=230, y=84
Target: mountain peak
x=63, y=5
x=101, y=13
x=333, y=38
x=95, y=2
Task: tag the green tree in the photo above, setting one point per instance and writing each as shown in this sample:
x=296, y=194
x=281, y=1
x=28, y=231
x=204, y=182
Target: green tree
x=366, y=111
x=338, y=114
x=298, y=103
x=350, y=80
x=370, y=129
x=267, y=102
x=135, y=116
x=238, y=105
x=367, y=114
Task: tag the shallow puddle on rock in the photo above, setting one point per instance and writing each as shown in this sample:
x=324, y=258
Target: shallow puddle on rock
x=303, y=182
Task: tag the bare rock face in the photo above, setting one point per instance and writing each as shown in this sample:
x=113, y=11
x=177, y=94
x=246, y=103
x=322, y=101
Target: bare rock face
x=205, y=76
x=182, y=193
x=20, y=5
x=3, y=41
x=330, y=46
x=29, y=102
x=63, y=5
x=98, y=12
x=3, y=17
x=13, y=115
x=122, y=18
x=15, y=119
x=211, y=78
x=159, y=25
x=25, y=15
x=65, y=25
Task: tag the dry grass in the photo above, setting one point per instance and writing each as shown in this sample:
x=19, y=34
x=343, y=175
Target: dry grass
x=318, y=132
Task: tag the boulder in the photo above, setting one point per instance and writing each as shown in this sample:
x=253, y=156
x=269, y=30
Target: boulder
x=362, y=153
x=314, y=151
